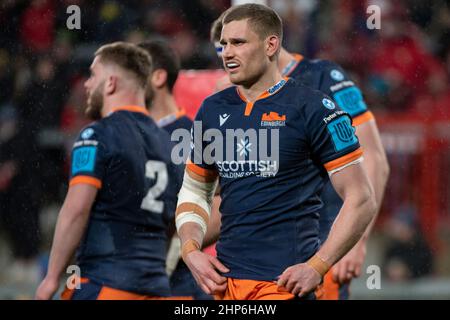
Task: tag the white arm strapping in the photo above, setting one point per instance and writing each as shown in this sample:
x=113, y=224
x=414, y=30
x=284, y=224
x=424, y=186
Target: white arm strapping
x=195, y=192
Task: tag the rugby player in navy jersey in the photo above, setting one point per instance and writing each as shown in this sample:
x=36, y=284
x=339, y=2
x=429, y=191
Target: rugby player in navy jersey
x=122, y=190
x=268, y=142
x=332, y=80
x=165, y=111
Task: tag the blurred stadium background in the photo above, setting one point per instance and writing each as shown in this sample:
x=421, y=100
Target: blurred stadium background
x=403, y=69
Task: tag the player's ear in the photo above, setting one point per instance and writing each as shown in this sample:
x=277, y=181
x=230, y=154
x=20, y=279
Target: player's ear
x=159, y=78
x=111, y=85
x=272, y=45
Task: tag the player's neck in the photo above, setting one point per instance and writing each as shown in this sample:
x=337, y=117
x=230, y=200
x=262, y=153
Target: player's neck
x=122, y=100
x=267, y=80
x=284, y=59
x=163, y=104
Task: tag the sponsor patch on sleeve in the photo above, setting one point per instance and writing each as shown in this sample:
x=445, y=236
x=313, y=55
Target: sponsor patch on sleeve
x=83, y=159
x=351, y=100
x=342, y=133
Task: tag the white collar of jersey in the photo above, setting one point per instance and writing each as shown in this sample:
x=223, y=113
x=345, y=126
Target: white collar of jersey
x=167, y=120
x=292, y=64
x=164, y=121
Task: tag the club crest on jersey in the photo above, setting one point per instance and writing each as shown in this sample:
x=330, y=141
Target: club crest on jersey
x=273, y=119
x=328, y=104
x=336, y=75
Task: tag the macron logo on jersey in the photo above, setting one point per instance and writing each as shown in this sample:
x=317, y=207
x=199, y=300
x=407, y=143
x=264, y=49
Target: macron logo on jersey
x=223, y=118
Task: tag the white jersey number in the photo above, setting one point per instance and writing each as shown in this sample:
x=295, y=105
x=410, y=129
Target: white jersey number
x=155, y=170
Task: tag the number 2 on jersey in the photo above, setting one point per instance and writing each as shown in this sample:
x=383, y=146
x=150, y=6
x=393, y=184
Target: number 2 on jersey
x=155, y=170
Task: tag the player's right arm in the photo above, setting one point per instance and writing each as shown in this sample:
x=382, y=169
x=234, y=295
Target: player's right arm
x=192, y=218
x=193, y=213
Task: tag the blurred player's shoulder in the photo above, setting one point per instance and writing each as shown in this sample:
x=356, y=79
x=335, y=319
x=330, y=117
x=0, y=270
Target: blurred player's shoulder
x=326, y=70
x=301, y=93
x=228, y=95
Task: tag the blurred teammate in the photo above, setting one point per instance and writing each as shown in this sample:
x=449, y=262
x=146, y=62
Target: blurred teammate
x=169, y=116
x=332, y=80
x=268, y=246
x=159, y=97
x=122, y=190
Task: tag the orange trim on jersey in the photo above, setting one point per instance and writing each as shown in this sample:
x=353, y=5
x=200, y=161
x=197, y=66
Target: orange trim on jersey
x=329, y=290
x=342, y=161
x=363, y=118
x=249, y=104
x=107, y=293
x=132, y=109
x=67, y=294
x=242, y=289
x=86, y=180
x=200, y=178
x=298, y=58
x=209, y=174
x=180, y=113
x=248, y=108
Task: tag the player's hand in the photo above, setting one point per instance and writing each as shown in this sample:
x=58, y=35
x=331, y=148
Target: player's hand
x=204, y=269
x=350, y=265
x=299, y=279
x=46, y=289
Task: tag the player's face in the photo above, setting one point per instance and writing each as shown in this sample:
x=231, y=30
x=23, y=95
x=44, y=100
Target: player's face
x=243, y=54
x=94, y=90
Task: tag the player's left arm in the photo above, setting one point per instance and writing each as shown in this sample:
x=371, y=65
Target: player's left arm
x=377, y=168
x=88, y=165
x=353, y=185
x=72, y=221
x=337, y=84
x=333, y=143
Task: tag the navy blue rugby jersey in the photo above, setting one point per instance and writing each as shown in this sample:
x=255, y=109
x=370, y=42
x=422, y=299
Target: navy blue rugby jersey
x=175, y=121
x=271, y=157
x=332, y=80
x=127, y=157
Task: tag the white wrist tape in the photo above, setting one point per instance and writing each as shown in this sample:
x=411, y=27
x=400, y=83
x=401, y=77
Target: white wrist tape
x=186, y=217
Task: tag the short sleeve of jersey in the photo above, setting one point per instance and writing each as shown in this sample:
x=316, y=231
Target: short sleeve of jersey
x=200, y=160
x=345, y=93
x=330, y=133
x=89, y=156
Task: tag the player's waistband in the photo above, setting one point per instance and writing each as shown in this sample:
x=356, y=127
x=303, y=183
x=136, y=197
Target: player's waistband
x=93, y=291
x=244, y=289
